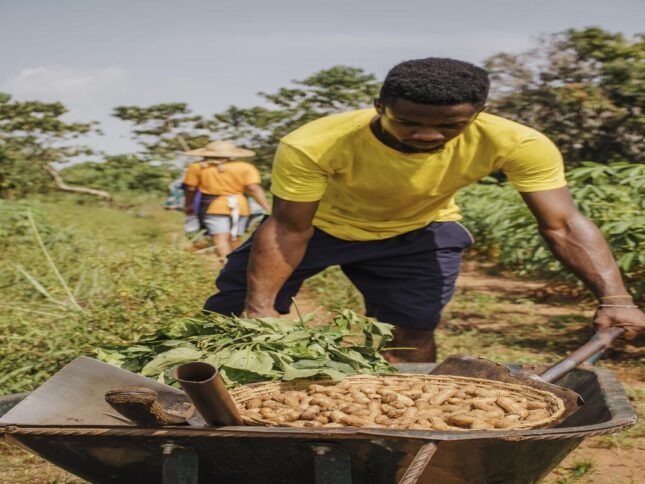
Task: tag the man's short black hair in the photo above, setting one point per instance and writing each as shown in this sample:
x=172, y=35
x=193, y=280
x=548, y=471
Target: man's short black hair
x=436, y=80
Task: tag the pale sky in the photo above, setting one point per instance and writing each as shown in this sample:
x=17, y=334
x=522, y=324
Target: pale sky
x=94, y=55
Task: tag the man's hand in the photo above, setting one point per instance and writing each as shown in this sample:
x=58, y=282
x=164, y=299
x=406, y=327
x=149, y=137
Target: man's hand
x=632, y=320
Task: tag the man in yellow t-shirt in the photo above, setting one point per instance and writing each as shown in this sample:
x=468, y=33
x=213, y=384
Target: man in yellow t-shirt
x=223, y=209
x=374, y=190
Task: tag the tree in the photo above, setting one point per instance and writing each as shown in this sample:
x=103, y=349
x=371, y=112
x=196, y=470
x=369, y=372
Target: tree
x=164, y=130
x=122, y=173
x=329, y=91
x=32, y=138
x=582, y=88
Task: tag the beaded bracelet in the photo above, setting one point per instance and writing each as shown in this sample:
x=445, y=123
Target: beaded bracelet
x=617, y=306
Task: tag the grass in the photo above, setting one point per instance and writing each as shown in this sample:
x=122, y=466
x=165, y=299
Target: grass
x=121, y=274
x=577, y=471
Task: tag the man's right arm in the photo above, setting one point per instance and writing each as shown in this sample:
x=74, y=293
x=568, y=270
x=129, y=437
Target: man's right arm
x=279, y=246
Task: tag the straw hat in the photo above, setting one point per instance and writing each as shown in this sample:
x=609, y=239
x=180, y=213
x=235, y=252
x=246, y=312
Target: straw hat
x=220, y=149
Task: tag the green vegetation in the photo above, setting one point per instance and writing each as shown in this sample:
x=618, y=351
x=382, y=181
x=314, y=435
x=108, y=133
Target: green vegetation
x=33, y=136
x=575, y=472
x=329, y=91
x=263, y=349
x=610, y=195
x=121, y=275
x=582, y=88
x=122, y=174
x=164, y=130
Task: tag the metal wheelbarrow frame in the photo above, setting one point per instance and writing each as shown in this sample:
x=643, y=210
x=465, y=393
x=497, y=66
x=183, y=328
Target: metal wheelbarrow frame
x=288, y=455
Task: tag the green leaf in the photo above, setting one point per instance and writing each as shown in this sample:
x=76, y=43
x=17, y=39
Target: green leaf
x=258, y=362
x=110, y=357
x=170, y=358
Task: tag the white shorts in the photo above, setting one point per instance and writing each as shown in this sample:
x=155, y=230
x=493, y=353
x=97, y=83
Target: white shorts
x=191, y=224
x=221, y=224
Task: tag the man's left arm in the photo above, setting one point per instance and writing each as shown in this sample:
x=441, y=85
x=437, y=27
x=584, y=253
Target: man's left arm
x=578, y=244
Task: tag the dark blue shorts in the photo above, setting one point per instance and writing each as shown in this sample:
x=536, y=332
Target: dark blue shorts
x=406, y=280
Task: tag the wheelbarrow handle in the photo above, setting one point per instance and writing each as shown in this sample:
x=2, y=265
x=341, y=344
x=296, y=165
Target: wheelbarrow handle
x=599, y=342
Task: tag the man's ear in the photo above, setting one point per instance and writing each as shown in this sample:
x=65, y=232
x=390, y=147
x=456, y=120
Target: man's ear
x=378, y=105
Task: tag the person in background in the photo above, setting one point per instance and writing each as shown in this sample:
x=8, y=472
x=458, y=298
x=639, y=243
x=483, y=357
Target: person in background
x=256, y=216
x=222, y=182
x=177, y=201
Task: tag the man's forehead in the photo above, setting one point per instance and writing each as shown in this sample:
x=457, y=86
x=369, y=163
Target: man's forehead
x=404, y=109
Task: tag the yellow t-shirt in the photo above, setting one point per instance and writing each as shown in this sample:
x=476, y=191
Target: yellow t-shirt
x=369, y=191
x=236, y=175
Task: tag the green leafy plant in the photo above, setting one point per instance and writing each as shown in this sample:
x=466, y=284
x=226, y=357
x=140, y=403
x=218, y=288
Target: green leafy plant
x=610, y=195
x=252, y=350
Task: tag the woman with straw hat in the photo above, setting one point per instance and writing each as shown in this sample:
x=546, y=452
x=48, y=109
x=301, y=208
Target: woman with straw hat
x=222, y=182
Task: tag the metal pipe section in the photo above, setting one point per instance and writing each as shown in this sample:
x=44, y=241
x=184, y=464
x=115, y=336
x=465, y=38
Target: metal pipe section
x=204, y=386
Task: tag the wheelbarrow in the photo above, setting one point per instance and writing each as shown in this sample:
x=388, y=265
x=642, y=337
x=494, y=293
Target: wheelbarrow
x=126, y=453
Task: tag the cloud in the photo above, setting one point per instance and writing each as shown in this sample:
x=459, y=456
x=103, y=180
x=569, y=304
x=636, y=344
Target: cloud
x=92, y=94
x=70, y=86
x=89, y=95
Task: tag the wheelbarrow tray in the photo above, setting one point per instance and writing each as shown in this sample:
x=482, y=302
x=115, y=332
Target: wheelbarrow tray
x=300, y=455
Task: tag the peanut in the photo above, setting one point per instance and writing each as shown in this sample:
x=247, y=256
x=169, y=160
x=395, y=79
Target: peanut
x=382, y=419
x=254, y=403
x=511, y=406
x=310, y=413
x=410, y=412
x=413, y=404
x=337, y=416
x=354, y=421
x=438, y=423
x=533, y=405
x=463, y=421
x=359, y=397
x=537, y=414
x=389, y=397
x=442, y=396
x=312, y=423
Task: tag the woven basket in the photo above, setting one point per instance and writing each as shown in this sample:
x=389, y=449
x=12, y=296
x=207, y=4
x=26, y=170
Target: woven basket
x=555, y=405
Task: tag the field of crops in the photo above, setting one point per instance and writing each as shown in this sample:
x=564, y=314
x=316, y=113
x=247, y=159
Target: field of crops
x=75, y=276
x=610, y=195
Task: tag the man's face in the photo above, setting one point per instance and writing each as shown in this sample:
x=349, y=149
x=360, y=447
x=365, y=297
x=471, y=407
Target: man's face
x=423, y=128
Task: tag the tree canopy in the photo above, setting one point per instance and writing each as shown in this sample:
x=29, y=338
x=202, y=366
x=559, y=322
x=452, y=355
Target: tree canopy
x=333, y=90
x=164, y=130
x=584, y=89
x=33, y=137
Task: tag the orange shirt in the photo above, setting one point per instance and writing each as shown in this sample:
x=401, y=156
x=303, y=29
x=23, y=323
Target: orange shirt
x=232, y=180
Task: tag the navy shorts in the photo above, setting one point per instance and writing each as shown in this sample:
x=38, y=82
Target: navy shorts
x=405, y=280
